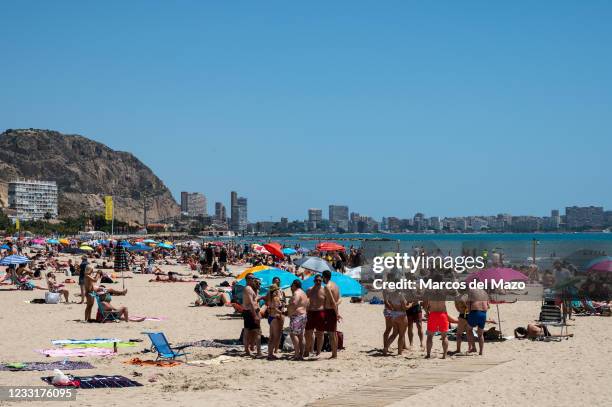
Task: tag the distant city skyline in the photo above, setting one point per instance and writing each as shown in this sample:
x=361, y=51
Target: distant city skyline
x=395, y=108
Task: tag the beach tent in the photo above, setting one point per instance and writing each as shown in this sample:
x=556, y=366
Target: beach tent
x=314, y=264
x=348, y=287
x=266, y=276
x=330, y=247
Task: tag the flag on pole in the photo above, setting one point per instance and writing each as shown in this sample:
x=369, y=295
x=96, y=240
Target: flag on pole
x=108, y=207
x=16, y=224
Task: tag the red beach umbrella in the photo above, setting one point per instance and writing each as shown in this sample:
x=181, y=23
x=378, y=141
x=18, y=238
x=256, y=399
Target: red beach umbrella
x=330, y=247
x=275, y=249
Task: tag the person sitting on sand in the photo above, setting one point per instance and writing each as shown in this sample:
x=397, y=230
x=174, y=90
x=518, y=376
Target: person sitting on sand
x=122, y=312
x=54, y=287
x=536, y=331
x=218, y=297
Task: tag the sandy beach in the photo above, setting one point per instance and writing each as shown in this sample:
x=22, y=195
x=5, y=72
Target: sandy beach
x=568, y=373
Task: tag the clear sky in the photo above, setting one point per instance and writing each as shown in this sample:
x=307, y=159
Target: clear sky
x=448, y=108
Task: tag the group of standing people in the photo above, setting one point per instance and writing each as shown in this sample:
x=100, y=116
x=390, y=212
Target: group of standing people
x=311, y=314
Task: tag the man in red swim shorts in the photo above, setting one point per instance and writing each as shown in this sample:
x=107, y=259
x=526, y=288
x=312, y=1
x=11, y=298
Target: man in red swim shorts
x=437, y=321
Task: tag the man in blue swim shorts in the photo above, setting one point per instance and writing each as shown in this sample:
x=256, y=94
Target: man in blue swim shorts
x=478, y=305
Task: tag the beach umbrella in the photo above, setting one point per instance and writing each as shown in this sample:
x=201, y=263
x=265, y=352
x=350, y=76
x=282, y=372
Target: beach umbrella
x=497, y=274
x=303, y=250
x=86, y=248
x=603, y=265
x=14, y=259
x=5, y=247
x=52, y=241
x=165, y=246
x=288, y=251
x=38, y=240
x=330, y=247
x=348, y=286
x=266, y=276
x=275, y=249
x=252, y=270
x=314, y=263
x=64, y=241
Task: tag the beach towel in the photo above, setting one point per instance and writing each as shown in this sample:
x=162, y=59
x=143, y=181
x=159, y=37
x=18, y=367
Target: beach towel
x=98, y=382
x=94, y=340
x=157, y=363
x=157, y=319
x=61, y=353
x=42, y=366
x=98, y=345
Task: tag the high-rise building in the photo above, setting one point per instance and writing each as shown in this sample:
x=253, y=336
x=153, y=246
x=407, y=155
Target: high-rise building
x=315, y=216
x=555, y=219
x=243, y=221
x=234, y=211
x=220, y=214
x=339, y=216
x=32, y=200
x=193, y=204
x=577, y=217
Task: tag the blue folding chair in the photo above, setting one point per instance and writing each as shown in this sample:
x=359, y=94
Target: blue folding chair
x=162, y=347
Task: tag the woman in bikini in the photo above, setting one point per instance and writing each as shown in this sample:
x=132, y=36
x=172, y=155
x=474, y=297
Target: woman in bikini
x=396, y=304
x=275, y=309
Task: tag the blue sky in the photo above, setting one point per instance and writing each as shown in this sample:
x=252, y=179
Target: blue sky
x=392, y=107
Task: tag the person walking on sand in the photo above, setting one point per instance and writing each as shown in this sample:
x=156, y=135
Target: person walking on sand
x=297, y=318
x=315, y=316
x=477, y=317
x=82, y=267
x=332, y=316
x=251, y=316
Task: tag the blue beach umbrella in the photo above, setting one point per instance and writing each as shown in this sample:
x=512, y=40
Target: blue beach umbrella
x=165, y=246
x=348, y=287
x=288, y=251
x=266, y=276
x=53, y=241
x=5, y=247
x=14, y=259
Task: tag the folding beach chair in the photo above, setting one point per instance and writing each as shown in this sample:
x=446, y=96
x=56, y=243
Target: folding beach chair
x=162, y=347
x=105, y=315
x=550, y=315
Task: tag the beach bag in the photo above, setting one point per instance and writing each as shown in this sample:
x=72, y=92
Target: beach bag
x=52, y=298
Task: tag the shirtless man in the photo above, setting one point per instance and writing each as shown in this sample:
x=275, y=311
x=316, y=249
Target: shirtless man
x=332, y=316
x=315, y=315
x=251, y=316
x=297, y=318
x=477, y=317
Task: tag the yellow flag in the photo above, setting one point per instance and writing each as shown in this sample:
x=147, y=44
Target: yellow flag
x=16, y=224
x=108, y=210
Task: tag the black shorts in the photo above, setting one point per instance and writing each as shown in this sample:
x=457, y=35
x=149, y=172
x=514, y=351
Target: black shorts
x=249, y=320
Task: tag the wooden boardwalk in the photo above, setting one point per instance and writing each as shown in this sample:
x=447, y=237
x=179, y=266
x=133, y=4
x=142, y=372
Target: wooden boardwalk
x=389, y=391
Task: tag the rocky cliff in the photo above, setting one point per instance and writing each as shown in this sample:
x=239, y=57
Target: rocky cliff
x=85, y=171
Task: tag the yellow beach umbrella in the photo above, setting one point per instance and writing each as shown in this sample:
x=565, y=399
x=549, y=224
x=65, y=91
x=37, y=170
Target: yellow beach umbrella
x=86, y=248
x=251, y=270
x=64, y=241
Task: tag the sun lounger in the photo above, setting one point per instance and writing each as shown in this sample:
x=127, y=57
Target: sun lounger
x=162, y=347
x=550, y=315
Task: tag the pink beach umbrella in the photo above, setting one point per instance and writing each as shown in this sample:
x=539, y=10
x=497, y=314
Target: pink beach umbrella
x=497, y=274
x=38, y=240
x=603, y=266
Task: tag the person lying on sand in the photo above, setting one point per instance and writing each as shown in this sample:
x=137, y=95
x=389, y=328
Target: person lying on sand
x=535, y=331
x=170, y=277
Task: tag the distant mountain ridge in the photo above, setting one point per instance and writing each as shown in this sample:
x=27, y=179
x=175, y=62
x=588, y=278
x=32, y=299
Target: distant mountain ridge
x=85, y=171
